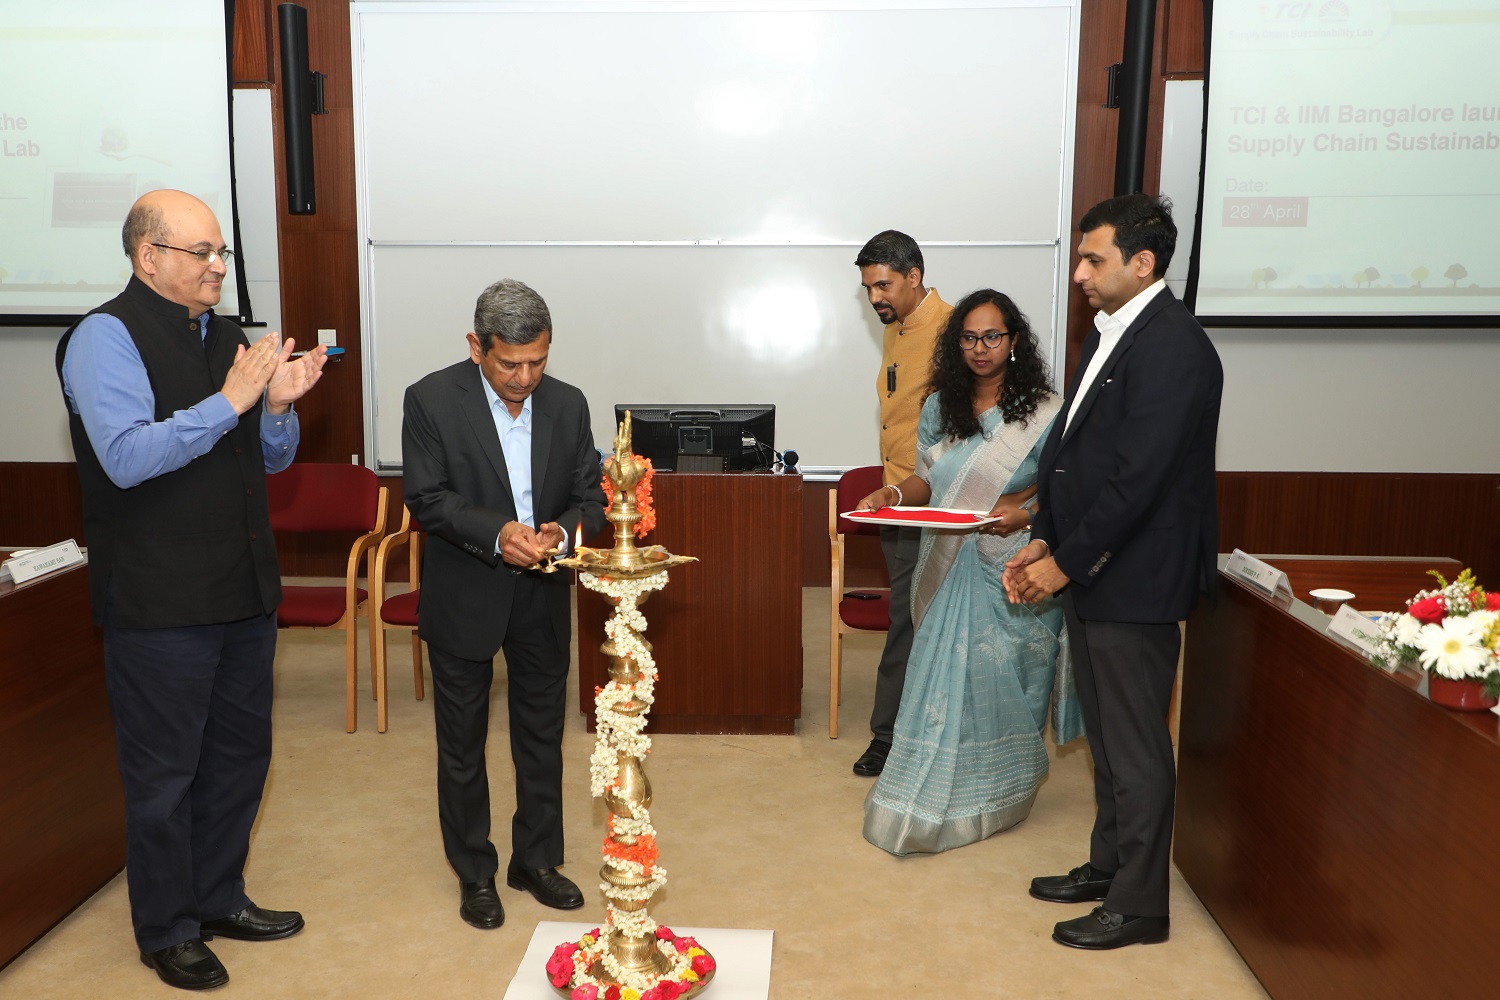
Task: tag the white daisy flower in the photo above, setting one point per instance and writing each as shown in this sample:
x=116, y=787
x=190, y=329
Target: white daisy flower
x=1452, y=647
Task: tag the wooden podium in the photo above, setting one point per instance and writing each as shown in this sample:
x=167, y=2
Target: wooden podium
x=1338, y=825
x=727, y=631
x=62, y=811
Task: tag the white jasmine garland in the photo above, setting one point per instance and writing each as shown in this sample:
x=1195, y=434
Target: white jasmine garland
x=620, y=729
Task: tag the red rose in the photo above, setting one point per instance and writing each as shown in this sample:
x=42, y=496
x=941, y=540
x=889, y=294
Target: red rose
x=613, y=993
x=664, y=933
x=703, y=964
x=1492, y=601
x=1429, y=610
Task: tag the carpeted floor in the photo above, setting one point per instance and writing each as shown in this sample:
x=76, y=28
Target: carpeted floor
x=756, y=831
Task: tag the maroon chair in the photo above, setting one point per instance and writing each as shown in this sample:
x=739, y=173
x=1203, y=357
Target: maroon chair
x=866, y=610
x=316, y=498
x=399, y=611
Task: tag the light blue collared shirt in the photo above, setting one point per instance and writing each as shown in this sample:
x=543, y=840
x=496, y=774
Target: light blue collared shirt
x=106, y=384
x=515, y=442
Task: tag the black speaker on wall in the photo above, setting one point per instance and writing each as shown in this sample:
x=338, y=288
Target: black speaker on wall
x=301, y=98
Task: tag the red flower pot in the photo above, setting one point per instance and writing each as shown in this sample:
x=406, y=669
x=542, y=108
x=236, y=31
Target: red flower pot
x=1465, y=695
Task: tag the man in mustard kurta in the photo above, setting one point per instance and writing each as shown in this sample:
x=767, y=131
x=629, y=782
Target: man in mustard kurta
x=891, y=271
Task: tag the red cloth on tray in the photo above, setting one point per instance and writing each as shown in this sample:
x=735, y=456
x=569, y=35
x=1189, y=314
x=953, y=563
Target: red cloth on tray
x=892, y=514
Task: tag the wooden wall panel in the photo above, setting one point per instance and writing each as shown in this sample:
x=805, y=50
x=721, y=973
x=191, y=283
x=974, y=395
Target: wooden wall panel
x=1101, y=44
x=1392, y=514
x=319, y=252
x=1182, y=57
x=254, y=24
x=40, y=503
x=1311, y=513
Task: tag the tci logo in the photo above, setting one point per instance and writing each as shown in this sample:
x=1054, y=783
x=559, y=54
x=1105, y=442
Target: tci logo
x=1330, y=10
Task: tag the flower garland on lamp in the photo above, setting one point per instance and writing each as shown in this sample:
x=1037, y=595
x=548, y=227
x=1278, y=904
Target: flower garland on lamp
x=644, y=501
x=632, y=874
x=630, y=957
x=1455, y=632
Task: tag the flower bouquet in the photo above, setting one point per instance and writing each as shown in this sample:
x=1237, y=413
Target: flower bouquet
x=1455, y=632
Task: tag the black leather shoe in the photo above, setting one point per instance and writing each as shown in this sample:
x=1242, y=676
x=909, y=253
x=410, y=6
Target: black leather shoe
x=1078, y=886
x=872, y=762
x=1103, y=929
x=480, y=906
x=254, y=924
x=548, y=885
x=187, y=966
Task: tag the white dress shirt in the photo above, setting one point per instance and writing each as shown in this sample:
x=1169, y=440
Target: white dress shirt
x=1111, y=328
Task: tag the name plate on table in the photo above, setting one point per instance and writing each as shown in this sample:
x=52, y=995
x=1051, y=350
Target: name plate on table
x=1355, y=629
x=39, y=562
x=1260, y=575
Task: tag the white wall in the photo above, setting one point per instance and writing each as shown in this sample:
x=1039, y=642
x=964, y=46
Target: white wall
x=1319, y=400
x=33, y=421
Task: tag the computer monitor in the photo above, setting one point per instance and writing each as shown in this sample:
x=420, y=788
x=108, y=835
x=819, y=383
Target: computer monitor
x=693, y=437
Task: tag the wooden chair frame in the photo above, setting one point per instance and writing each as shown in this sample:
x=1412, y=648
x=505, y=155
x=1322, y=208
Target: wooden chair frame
x=837, y=628
x=412, y=539
x=364, y=546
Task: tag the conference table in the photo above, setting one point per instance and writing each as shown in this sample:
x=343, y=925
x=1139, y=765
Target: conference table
x=62, y=811
x=727, y=630
x=1339, y=827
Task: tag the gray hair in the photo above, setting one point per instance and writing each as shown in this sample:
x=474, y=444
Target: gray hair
x=144, y=224
x=510, y=310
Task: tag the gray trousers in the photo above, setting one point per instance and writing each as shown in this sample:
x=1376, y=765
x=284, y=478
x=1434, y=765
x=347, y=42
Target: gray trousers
x=900, y=548
x=1125, y=674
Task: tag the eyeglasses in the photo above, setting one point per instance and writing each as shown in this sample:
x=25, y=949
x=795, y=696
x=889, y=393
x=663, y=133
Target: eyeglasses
x=969, y=341
x=205, y=257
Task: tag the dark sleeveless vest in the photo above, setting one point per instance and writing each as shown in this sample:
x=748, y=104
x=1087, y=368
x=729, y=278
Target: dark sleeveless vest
x=192, y=546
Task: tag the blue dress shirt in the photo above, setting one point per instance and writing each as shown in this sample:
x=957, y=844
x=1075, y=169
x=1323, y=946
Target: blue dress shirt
x=515, y=442
x=106, y=384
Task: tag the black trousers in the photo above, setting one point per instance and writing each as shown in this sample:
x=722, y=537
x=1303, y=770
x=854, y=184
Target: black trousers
x=536, y=693
x=192, y=712
x=900, y=547
x=1125, y=673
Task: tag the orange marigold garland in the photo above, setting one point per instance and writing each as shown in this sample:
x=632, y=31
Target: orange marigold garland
x=643, y=498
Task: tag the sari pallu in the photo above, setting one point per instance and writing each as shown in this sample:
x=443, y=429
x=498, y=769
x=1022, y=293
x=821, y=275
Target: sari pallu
x=967, y=755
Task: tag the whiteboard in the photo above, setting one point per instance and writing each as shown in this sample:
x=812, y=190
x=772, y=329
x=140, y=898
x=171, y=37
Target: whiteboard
x=687, y=185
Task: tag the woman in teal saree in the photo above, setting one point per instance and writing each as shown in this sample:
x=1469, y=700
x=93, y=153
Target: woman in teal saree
x=968, y=756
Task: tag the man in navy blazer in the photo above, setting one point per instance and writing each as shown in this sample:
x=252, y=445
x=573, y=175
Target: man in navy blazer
x=1127, y=530
x=500, y=468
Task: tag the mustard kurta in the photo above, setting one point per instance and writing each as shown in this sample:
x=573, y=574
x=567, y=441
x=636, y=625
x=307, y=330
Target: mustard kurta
x=908, y=346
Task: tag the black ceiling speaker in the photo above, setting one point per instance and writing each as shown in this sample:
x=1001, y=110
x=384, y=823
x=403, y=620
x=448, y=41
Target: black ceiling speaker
x=301, y=98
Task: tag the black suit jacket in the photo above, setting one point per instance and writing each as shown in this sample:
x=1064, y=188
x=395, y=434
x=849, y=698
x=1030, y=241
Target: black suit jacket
x=457, y=486
x=1126, y=494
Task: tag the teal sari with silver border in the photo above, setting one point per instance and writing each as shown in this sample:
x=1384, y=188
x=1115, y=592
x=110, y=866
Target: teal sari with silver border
x=968, y=755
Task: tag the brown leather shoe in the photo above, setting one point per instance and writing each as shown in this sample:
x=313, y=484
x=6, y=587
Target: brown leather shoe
x=480, y=906
x=187, y=965
x=548, y=885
